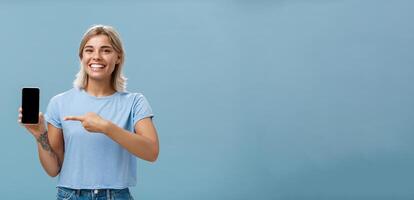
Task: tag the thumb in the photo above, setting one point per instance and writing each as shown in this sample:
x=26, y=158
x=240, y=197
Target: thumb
x=41, y=117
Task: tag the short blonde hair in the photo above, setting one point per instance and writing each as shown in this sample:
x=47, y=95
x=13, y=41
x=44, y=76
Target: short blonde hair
x=118, y=80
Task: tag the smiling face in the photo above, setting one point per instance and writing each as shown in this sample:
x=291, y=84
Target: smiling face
x=99, y=58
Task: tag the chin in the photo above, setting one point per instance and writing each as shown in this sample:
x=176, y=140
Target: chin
x=98, y=77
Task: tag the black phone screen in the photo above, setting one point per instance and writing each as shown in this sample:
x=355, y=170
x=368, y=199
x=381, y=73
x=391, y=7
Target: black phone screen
x=30, y=105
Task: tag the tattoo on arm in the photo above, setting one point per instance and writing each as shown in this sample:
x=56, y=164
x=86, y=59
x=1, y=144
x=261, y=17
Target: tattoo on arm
x=44, y=141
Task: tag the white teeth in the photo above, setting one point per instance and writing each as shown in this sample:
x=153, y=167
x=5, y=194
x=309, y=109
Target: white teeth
x=97, y=66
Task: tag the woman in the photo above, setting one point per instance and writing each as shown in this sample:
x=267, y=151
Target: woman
x=96, y=130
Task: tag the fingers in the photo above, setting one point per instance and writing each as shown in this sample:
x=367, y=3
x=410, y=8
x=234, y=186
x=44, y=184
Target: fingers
x=75, y=118
x=19, y=119
x=20, y=115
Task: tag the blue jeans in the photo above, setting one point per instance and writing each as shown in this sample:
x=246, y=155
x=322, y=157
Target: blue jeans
x=100, y=194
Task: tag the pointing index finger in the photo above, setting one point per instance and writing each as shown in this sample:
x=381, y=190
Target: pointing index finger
x=75, y=118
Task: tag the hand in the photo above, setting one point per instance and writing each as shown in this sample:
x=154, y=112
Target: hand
x=35, y=129
x=91, y=122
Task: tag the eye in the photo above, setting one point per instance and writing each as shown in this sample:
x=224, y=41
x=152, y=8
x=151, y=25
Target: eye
x=107, y=51
x=88, y=50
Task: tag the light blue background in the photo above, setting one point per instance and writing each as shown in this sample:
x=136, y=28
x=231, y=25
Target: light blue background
x=253, y=99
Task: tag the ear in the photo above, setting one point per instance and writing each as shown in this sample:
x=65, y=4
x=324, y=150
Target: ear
x=118, y=60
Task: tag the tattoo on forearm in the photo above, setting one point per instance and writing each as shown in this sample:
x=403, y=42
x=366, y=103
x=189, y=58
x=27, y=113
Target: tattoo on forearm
x=44, y=142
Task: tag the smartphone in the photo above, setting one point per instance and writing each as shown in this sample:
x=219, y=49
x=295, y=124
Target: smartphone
x=30, y=105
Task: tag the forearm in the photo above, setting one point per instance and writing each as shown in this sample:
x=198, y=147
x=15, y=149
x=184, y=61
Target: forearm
x=48, y=158
x=136, y=144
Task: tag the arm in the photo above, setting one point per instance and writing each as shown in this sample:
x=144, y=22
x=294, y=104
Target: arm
x=50, y=144
x=51, y=150
x=144, y=144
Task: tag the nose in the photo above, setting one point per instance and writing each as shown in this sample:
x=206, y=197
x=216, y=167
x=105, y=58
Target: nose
x=96, y=55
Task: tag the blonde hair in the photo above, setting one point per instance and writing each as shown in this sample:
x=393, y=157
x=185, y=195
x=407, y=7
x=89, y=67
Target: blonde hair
x=118, y=80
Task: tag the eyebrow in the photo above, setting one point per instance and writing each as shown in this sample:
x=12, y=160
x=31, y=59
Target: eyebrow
x=102, y=47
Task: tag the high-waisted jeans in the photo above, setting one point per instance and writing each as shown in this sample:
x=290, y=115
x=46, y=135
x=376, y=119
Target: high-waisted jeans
x=99, y=194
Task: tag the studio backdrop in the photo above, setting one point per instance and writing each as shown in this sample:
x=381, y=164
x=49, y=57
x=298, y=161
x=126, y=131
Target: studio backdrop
x=283, y=99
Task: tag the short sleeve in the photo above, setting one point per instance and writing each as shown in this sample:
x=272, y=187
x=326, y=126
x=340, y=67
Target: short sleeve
x=52, y=113
x=141, y=108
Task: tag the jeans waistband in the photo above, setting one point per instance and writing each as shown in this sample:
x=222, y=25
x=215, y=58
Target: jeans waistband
x=94, y=192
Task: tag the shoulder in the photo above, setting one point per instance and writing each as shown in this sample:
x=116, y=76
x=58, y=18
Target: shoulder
x=65, y=95
x=134, y=96
x=136, y=99
x=140, y=106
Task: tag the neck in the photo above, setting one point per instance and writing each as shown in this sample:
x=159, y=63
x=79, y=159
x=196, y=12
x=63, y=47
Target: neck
x=99, y=88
